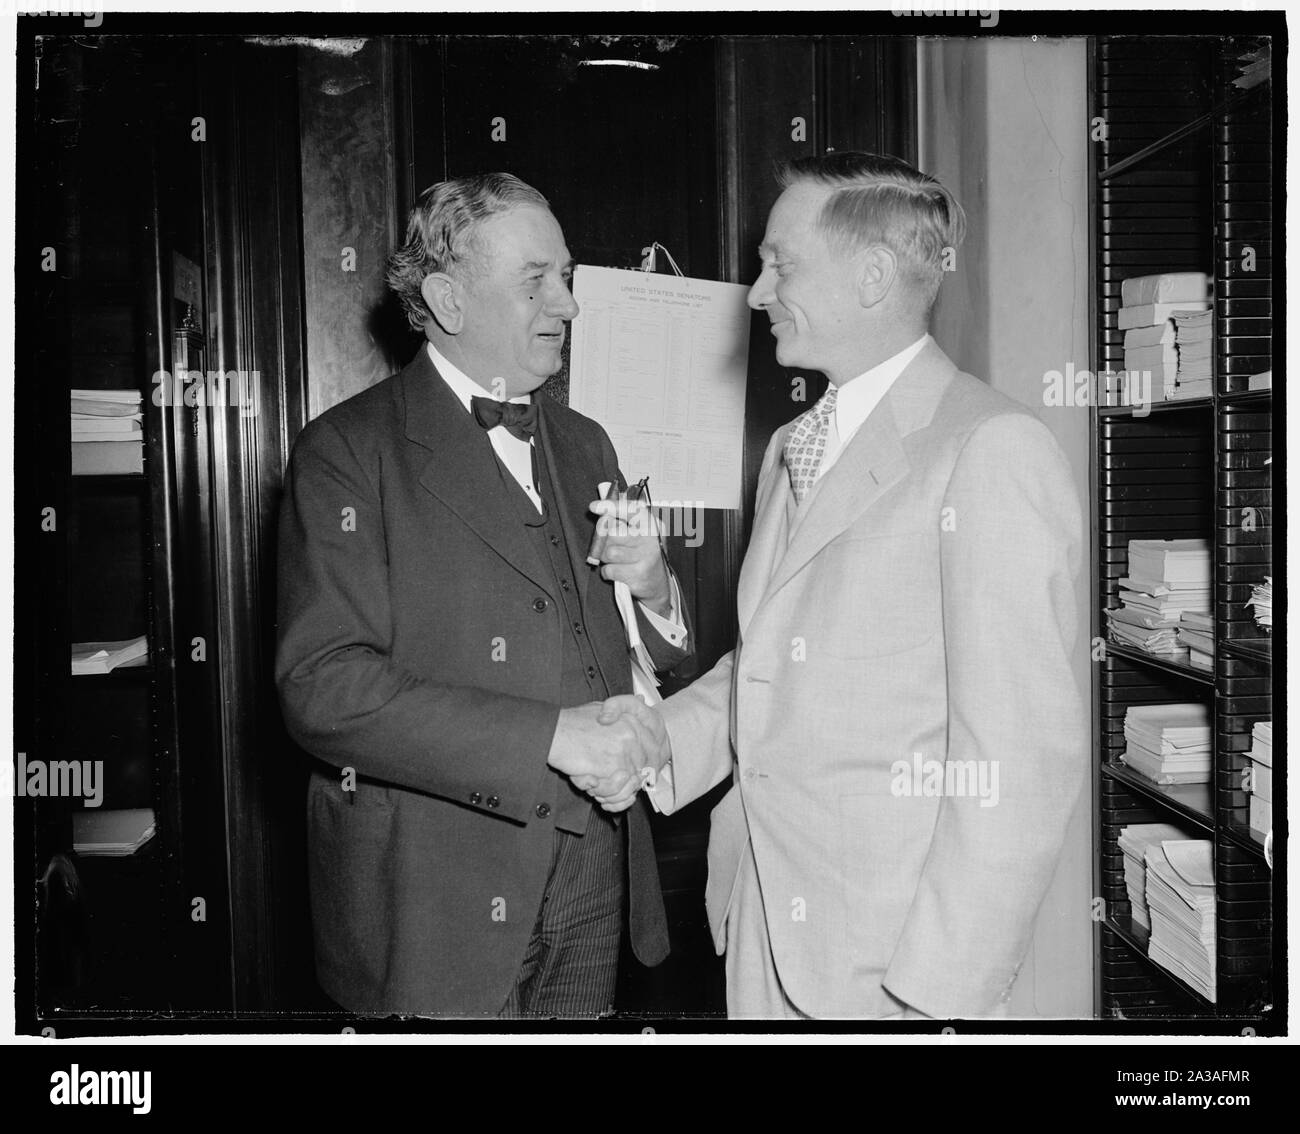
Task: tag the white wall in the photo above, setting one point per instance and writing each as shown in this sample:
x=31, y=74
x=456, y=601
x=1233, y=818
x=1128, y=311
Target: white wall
x=1003, y=123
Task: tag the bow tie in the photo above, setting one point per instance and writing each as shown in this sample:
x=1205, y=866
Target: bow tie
x=519, y=418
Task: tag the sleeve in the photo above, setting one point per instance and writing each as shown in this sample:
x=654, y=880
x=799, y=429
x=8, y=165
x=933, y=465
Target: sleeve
x=1010, y=555
x=668, y=640
x=344, y=698
x=698, y=720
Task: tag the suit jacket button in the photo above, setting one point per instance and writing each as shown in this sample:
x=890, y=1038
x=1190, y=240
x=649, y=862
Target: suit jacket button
x=539, y=605
x=493, y=801
x=475, y=797
x=543, y=810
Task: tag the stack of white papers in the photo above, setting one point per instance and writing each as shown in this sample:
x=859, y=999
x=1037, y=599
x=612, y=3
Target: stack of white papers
x=1261, y=778
x=1169, y=744
x=114, y=833
x=1167, y=579
x=107, y=432
x=1180, y=899
x=1151, y=317
x=1261, y=598
x=1196, y=633
x=1194, y=342
x=103, y=657
x=1135, y=840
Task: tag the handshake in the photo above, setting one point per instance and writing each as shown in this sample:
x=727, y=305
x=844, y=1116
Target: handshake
x=608, y=749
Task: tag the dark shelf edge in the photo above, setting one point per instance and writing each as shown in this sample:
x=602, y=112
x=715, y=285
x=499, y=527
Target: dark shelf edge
x=1136, y=946
x=1246, y=648
x=1153, y=791
x=1173, y=406
x=1240, y=836
x=1202, y=676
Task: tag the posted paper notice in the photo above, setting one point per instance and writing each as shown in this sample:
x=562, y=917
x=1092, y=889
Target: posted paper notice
x=661, y=362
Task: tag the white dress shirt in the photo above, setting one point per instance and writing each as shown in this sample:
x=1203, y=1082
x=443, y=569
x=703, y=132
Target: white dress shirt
x=859, y=396
x=516, y=455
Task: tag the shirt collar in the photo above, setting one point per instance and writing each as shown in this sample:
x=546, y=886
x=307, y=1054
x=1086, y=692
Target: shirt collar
x=462, y=385
x=857, y=397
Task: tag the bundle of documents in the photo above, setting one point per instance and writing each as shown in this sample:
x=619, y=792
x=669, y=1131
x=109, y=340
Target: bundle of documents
x=103, y=657
x=113, y=833
x=1261, y=778
x=1194, y=341
x=1261, y=598
x=1196, y=633
x=1180, y=901
x=1167, y=579
x=1134, y=841
x=1169, y=744
x=107, y=432
x=1150, y=317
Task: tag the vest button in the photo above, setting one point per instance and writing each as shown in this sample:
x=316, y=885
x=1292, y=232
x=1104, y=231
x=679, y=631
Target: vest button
x=555, y=541
x=493, y=801
x=564, y=584
x=591, y=671
x=539, y=605
x=577, y=627
x=543, y=810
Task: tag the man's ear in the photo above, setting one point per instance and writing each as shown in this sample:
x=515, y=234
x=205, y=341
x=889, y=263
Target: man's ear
x=444, y=297
x=877, y=274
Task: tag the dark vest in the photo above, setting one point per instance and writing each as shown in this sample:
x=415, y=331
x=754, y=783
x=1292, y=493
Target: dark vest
x=581, y=680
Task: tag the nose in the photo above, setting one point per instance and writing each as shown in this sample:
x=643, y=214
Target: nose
x=560, y=302
x=761, y=294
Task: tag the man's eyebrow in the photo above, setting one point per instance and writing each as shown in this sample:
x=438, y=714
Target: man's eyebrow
x=536, y=265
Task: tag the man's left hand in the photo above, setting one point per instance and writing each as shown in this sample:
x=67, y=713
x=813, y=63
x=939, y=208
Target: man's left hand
x=632, y=553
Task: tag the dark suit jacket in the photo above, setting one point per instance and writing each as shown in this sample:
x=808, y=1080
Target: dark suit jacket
x=420, y=646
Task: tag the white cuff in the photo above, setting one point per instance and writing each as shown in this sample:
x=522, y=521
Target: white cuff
x=671, y=629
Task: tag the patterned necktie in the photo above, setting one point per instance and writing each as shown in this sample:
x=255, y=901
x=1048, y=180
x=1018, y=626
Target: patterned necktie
x=806, y=445
x=518, y=418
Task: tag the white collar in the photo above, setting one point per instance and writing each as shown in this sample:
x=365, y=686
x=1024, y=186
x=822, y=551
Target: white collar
x=857, y=397
x=462, y=385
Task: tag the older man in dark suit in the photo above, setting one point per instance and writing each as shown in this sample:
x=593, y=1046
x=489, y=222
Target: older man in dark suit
x=443, y=645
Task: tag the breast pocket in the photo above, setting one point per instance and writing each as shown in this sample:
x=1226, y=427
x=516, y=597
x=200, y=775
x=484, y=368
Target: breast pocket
x=885, y=592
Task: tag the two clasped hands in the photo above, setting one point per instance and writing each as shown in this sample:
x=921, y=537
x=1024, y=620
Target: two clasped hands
x=606, y=748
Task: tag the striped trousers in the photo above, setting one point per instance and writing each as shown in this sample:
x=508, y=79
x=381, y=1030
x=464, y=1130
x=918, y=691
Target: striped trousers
x=570, y=967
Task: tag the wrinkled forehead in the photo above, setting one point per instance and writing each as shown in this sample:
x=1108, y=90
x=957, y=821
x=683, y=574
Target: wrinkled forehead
x=527, y=236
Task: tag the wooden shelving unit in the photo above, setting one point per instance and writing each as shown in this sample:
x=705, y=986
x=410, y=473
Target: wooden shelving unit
x=1183, y=182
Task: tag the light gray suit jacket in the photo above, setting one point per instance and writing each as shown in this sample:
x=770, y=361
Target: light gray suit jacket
x=910, y=624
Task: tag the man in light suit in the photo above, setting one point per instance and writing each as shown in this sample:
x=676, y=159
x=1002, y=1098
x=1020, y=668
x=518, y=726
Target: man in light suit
x=899, y=718
x=443, y=648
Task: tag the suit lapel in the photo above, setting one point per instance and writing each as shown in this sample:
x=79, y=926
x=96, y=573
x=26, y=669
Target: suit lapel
x=462, y=469
x=768, y=541
x=872, y=462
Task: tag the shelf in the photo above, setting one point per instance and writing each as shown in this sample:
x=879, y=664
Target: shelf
x=1252, y=649
x=1191, y=801
x=1156, y=407
x=1243, y=836
x=1232, y=102
x=1247, y=398
x=1132, y=653
x=109, y=480
x=121, y=673
x=1136, y=938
